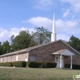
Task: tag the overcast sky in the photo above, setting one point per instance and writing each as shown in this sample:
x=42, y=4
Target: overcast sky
x=17, y=15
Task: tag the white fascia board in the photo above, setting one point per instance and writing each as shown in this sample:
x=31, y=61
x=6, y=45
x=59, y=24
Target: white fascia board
x=66, y=52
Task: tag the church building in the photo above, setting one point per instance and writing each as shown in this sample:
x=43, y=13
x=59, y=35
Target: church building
x=55, y=51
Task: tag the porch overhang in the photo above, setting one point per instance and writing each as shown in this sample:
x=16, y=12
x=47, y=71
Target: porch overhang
x=65, y=52
x=61, y=53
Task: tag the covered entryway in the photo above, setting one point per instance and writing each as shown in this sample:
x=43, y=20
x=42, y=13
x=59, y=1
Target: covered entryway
x=59, y=57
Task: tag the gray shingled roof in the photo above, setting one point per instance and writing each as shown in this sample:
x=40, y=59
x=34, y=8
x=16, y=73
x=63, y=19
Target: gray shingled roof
x=34, y=47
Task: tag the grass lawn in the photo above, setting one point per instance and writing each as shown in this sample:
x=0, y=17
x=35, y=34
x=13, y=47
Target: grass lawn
x=36, y=74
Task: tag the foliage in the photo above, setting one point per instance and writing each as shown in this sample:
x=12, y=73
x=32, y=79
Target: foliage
x=23, y=40
x=74, y=42
x=16, y=64
x=67, y=65
x=34, y=64
x=1, y=49
x=41, y=35
x=6, y=47
x=74, y=66
x=19, y=64
x=8, y=64
x=49, y=64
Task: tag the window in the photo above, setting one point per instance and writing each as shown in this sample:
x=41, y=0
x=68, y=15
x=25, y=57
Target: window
x=32, y=58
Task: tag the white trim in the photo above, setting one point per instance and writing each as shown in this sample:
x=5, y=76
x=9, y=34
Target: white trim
x=57, y=60
x=17, y=57
x=66, y=52
x=71, y=62
x=1, y=59
x=60, y=61
x=27, y=57
x=28, y=49
x=70, y=46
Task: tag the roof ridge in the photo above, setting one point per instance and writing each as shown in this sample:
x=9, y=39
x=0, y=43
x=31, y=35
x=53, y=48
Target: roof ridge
x=37, y=46
x=70, y=46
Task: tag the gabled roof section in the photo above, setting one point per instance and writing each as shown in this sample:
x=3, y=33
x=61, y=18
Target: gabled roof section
x=64, y=52
x=34, y=47
x=70, y=47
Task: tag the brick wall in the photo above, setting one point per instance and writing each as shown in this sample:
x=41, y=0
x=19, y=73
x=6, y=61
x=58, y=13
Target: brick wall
x=22, y=57
x=12, y=58
x=44, y=53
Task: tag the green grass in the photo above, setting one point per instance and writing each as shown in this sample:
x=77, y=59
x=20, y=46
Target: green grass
x=36, y=74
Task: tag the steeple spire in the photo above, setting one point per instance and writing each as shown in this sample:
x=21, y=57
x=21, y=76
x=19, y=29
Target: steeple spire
x=53, y=35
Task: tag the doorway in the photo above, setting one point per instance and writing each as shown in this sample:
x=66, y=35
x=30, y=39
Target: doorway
x=57, y=60
x=60, y=61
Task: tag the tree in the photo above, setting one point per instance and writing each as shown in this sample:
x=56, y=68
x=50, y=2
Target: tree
x=1, y=49
x=41, y=35
x=6, y=47
x=23, y=40
x=74, y=42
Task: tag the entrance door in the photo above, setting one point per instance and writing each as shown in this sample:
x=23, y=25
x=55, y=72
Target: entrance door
x=60, y=61
x=57, y=60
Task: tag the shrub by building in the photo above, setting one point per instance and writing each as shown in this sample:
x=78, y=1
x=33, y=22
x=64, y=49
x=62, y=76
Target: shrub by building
x=34, y=64
x=49, y=64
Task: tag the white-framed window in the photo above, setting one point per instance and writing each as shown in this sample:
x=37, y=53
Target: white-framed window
x=56, y=59
x=32, y=58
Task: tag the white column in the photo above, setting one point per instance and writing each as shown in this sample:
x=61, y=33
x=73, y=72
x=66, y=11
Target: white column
x=1, y=59
x=27, y=57
x=71, y=62
x=17, y=57
x=60, y=61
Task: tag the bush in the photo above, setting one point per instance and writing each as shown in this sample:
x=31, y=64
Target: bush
x=74, y=66
x=19, y=64
x=34, y=64
x=9, y=64
x=67, y=65
x=49, y=64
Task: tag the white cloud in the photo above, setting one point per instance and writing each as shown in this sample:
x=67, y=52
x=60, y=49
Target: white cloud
x=65, y=14
x=47, y=23
x=64, y=28
x=63, y=37
x=40, y=21
x=44, y=4
x=15, y=31
x=75, y=4
x=6, y=34
x=65, y=25
x=74, y=31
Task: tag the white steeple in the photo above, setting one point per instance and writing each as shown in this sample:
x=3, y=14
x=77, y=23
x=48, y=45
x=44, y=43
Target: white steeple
x=53, y=35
